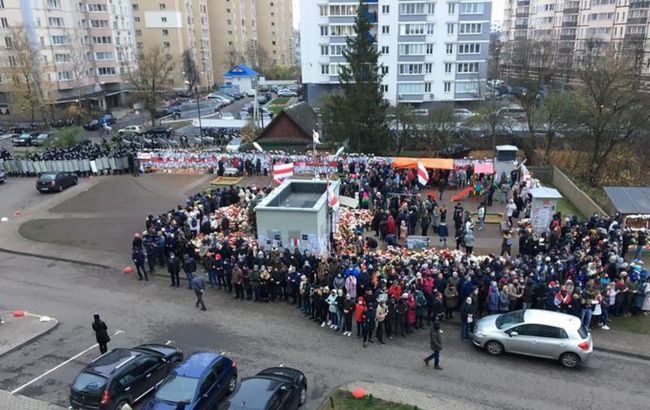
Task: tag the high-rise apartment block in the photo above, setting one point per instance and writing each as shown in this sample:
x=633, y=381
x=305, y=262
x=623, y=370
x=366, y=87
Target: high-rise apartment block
x=80, y=48
x=576, y=28
x=177, y=27
x=254, y=32
x=430, y=50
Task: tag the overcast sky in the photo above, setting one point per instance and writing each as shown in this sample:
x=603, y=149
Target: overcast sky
x=497, y=11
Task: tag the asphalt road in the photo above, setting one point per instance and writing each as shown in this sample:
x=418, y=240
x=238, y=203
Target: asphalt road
x=255, y=335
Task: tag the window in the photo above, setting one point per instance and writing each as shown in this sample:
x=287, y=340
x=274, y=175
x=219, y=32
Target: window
x=138, y=33
x=411, y=49
x=104, y=55
x=384, y=70
x=343, y=31
x=54, y=4
x=337, y=49
x=385, y=49
x=135, y=7
x=410, y=69
x=4, y=23
x=411, y=29
x=106, y=71
x=427, y=87
x=384, y=88
x=8, y=42
x=102, y=39
x=324, y=69
x=428, y=68
x=430, y=28
x=323, y=10
x=64, y=76
x=429, y=49
x=470, y=28
x=94, y=8
x=466, y=87
x=410, y=88
x=450, y=28
x=59, y=40
x=350, y=10
x=385, y=29
x=467, y=68
x=469, y=48
x=55, y=21
x=449, y=49
x=12, y=61
x=385, y=9
x=323, y=30
x=2, y=4
x=471, y=8
x=162, y=6
x=165, y=32
x=166, y=44
x=448, y=67
x=99, y=23
x=451, y=8
x=62, y=58
x=447, y=86
x=324, y=50
x=163, y=19
x=412, y=8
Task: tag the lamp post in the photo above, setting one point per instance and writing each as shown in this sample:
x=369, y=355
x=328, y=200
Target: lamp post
x=198, y=110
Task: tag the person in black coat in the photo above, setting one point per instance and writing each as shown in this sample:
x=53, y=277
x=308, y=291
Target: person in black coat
x=138, y=260
x=101, y=333
x=174, y=269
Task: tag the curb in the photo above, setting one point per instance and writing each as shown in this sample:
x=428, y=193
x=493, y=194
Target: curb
x=55, y=258
x=31, y=339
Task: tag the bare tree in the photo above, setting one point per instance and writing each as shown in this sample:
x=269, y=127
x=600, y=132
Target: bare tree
x=150, y=79
x=612, y=111
x=490, y=117
x=439, y=125
x=252, y=53
x=556, y=114
x=232, y=58
x=191, y=71
x=26, y=73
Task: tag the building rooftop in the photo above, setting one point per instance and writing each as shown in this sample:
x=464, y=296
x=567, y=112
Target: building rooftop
x=629, y=200
x=293, y=194
x=241, y=70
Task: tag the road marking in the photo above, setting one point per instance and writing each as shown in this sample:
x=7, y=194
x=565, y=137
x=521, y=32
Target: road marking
x=57, y=367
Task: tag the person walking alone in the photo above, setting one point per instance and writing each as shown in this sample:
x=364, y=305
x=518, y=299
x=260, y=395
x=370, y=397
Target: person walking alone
x=436, y=346
x=138, y=260
x=101, y=333
x=198, y=285
x=174, y=269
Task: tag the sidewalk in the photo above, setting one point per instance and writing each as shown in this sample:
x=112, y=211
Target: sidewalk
x=16, y=332
x=410, y=397
x=18, y=402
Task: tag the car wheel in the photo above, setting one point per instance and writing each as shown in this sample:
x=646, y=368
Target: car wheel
x=570, y=360
x=303, y=396
x=232, y=384
x=120, y=404
x=494, y=348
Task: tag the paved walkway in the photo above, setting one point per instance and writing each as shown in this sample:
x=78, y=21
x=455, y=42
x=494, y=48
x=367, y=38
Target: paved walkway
x=18, y=402
x=16, y=332
x=410, y=397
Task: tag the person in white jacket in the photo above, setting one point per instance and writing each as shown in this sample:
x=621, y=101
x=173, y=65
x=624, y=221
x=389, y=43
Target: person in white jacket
x=510, y=210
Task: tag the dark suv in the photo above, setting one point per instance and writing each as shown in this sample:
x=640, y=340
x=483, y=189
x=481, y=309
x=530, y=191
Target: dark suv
x=122, y=376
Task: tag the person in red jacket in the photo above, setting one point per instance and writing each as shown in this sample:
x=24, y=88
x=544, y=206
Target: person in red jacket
x=359, y=312
x=410, y=313
x=391, y=227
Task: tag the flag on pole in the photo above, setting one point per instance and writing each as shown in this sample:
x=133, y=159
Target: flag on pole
x=332, y=199
x=423, y=174
x=316, y=136
x=282, y=171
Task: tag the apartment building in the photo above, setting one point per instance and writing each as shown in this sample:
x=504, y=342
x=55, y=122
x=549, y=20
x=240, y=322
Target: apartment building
x=253, y=32
x=576, y=28
x=176, y=26
x=431, y=51
x=82, y=48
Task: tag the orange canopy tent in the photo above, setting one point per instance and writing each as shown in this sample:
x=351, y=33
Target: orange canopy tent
x=429, y=163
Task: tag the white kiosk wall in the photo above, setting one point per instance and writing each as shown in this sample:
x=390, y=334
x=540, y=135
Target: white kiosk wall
x=543, y=206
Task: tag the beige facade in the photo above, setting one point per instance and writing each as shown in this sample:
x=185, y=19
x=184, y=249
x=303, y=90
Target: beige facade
x=81, y=48
x=176, y=26
x=252, y=32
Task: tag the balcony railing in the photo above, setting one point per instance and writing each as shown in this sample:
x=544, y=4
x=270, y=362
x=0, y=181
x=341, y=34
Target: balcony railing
x=569, y=24
x=637, y=20
x=572, y=10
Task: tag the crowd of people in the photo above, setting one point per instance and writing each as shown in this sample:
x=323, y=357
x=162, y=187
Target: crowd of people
x=378, y=289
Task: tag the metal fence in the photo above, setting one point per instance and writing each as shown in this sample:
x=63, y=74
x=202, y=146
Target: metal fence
x=98, y=166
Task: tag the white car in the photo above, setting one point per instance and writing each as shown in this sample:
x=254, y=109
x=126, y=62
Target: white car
x=250, y=93
x=130, y=129
x=219, y=97
x=285, y=92
x=227, y=116
x=234, y=145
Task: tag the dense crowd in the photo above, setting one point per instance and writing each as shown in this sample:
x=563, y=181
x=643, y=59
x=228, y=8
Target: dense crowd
x=375, y=287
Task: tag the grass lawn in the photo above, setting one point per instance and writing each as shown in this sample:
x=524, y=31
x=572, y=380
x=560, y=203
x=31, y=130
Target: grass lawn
x=567, y=209
x=634, y=324
x=275, y=109
x=279, y=101
x=344, y=401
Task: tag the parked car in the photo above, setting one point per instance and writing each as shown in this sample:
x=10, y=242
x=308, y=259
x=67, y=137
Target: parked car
x=286, y=92
x=24, y=140
x=462, y=114
x=263, y=99
x=92, y=125
x=276, y=388
x=122, y=376
x=107, y=119
x=535, y=332
x=43, y=139
x=22, y=128
x=165, y=132
x=3, y=176
x=227, y=116
x=250, y=93
x=130, y=129
x=201, y=382
x=168, y=111
x=223, y=99
x=55, y=181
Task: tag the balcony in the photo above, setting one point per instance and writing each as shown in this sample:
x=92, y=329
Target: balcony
x=523, y=3
x=637, y=20
x=640, y=36
x=569, y=24
x=572, y=10
x=521, y=26
x=372, y=17
x=568, y=37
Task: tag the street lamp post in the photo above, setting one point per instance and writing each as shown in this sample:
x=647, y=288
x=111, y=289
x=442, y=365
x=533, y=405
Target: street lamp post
x=198, y=111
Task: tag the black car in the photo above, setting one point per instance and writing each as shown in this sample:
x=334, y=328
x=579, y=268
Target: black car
x=55, y=181
x=160, y=132
x=43, y=138
x=170, y=111
x=122, y=376
x=25, y=139
x=276, y=388
x=93, y=125
x=23, y=127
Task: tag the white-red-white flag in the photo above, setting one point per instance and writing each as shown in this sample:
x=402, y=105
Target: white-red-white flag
x=282, y=171
x=332, y=198
x=423, y=174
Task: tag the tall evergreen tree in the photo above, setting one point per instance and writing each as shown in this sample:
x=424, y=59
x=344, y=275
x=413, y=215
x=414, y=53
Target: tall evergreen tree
x=358, y=112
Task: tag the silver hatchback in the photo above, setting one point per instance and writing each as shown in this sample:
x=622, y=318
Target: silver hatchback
x=534, y=332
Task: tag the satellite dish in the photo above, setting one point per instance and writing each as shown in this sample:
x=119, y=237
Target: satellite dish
x=258, y=147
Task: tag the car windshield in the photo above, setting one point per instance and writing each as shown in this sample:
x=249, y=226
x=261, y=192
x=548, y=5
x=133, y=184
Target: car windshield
x=176, y=389
x=89, y=383
x=47, y=177
x=508, y=319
